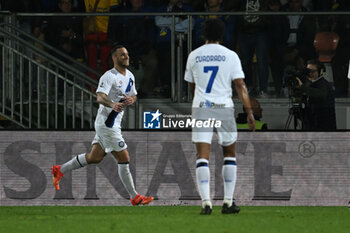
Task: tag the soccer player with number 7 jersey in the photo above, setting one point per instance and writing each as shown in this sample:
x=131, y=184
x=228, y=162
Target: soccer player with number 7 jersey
x=210, y=71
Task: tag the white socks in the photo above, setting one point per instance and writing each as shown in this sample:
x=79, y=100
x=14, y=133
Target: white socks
x=229, y=173
x=123, y=171
x=75, y=163
x=126, y=178
x=203, y=178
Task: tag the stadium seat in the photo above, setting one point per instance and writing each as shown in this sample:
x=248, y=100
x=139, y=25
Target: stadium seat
x=325, y=44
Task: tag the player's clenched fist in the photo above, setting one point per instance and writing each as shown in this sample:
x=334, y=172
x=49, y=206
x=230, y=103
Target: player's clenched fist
x=128, y=100
x=118, y=107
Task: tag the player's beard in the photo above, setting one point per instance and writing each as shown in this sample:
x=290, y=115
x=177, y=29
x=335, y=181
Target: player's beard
x=122, y=63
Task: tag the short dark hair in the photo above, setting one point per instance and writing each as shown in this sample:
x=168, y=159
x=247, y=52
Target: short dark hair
x=213, y=30
x=118, y=46
x=319, y=65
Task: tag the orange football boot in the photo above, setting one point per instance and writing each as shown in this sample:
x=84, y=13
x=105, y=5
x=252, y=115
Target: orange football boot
x=57, y=175
x=141, y=200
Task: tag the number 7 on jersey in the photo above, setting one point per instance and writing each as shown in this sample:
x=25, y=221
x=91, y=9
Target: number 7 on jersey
x=214, y=70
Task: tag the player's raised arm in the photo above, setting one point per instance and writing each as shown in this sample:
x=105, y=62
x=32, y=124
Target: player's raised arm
x=244, y=97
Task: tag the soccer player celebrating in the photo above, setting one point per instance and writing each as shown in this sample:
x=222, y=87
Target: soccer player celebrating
x=116, y=90
x=210, y=70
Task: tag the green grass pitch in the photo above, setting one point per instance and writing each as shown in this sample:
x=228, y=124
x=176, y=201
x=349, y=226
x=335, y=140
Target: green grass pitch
x=159, y=219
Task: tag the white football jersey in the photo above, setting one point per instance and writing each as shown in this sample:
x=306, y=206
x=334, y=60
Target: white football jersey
x=213, y=67
x=114, y=85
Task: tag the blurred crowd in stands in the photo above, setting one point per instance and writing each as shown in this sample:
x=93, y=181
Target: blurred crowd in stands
x=266, y=44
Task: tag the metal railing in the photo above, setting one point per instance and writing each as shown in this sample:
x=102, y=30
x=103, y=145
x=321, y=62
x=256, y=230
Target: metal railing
x=178, y=91
x=39, y=90
x=178, y=94
x=68, y=87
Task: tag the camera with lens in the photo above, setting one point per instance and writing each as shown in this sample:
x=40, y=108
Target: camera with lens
x=292, y=74
x=295, y=94
x=297, y=98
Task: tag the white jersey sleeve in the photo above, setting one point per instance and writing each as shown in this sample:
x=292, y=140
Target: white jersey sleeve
x=105, y=84
x=349, y=71
x=237, y=71
x=188, y=72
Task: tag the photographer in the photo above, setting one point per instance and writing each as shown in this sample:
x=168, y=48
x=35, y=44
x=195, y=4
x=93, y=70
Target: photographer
x=320, y=107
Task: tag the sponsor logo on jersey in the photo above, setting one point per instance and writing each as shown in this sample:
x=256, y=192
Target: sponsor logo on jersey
x=120, y=84
x=208, y=104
